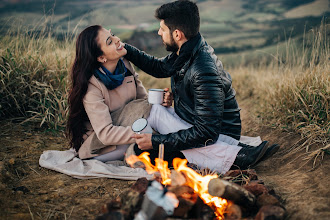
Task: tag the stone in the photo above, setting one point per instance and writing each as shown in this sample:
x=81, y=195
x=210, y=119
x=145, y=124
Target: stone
x=255, y=188
x=267, y=199
x=270, y=212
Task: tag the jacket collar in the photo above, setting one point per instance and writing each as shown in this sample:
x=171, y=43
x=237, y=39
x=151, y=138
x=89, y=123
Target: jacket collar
x=177, y=65
x=201, y=42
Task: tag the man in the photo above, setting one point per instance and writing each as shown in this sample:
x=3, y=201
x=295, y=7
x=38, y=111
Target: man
x=202, y=91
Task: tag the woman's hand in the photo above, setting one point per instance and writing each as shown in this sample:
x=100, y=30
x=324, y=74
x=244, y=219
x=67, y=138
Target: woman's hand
x=143, y=141
x=168, y=98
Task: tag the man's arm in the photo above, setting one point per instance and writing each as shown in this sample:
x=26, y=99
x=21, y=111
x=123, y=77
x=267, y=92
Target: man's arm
x=209, y=104
x=147, y=63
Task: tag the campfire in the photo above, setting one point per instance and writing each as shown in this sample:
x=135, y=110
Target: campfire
x=183, y=193
x=182, y=175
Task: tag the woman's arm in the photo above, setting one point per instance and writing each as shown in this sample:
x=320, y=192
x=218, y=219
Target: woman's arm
x=99, y=115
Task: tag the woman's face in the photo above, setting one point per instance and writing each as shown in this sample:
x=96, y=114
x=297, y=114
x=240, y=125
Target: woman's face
x=111, y=46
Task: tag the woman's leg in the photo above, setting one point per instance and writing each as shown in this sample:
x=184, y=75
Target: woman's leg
x=117, y=154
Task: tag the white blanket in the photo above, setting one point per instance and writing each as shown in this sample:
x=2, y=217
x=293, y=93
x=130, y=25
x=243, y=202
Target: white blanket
x=68, y=163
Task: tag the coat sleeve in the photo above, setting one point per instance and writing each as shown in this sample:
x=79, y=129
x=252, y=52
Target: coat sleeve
x=99, y=115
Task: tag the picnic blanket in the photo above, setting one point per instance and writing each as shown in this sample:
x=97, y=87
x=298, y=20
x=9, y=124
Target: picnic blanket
x=68, y=163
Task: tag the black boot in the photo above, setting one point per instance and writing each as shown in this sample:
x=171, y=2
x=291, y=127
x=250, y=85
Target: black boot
x=249, y=156
x=269, y=152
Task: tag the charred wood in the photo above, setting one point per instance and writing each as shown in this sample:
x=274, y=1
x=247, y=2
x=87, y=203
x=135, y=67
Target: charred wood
x=231, y=191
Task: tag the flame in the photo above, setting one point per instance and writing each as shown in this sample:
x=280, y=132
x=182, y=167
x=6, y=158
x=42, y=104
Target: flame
x=194, y=180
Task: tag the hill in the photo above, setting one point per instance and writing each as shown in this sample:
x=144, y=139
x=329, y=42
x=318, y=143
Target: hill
x=229, y=26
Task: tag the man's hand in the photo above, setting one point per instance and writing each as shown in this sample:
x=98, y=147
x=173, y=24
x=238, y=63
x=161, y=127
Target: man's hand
x=143, y=141
x=168, y=98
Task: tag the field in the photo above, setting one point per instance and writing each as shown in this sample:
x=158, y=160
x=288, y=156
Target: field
x=278, y=56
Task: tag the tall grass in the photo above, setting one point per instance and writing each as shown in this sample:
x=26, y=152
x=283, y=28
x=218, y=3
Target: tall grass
x=33, y=77
x=294, y=89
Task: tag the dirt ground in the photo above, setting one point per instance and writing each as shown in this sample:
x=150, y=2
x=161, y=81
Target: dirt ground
x=28, y=191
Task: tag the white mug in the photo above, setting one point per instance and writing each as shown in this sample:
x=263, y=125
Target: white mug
x=156, y=96
x=141, y=125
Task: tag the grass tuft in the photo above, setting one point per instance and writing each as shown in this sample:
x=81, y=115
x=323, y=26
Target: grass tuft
x=294, y=90
x=33, y=77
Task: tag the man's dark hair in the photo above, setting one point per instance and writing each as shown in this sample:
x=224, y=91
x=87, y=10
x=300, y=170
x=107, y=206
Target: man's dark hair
x=182, y=15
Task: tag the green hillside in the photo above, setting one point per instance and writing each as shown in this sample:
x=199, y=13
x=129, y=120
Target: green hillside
x=229, y=26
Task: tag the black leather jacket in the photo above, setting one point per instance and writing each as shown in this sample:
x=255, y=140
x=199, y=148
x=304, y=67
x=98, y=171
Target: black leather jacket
x=202, y=93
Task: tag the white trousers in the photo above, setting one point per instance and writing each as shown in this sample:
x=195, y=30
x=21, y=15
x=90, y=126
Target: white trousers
x=219, y=156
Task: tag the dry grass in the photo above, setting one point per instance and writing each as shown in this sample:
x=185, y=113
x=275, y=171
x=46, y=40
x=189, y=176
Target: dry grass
x=292, y=92
x=33, y=73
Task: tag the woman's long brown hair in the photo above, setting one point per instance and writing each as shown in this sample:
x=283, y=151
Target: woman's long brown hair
x=87, y=51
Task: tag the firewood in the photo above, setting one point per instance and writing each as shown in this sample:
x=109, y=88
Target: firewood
x=231, y=191
x=233, y=212
x=131, y=202
x=150, y=211
x=140, y=185
x=271, y=212
x=187, y=199
x=177, y=179
x=240, y=176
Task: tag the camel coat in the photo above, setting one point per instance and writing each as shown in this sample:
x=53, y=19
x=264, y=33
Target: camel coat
x=103, y=135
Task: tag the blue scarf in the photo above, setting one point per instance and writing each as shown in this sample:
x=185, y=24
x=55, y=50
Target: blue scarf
x=112, y=80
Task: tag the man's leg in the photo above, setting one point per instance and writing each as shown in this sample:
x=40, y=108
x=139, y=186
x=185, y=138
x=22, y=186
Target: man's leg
x=219, y=156
x=164, y=120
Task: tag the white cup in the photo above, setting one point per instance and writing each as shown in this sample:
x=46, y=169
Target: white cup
x=141, y=125
x=156, y=96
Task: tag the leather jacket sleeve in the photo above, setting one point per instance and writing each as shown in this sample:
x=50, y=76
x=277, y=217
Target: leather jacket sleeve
x=151, y=65
x=207, y=121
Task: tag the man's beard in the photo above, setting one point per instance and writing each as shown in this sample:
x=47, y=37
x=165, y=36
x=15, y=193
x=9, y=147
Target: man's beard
x=172, y=46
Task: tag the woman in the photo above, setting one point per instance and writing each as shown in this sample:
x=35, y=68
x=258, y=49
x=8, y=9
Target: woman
x=102, y=82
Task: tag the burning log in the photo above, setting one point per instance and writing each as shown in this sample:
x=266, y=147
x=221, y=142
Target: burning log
x=187, y=199
x=231, y=191
x=177, y=179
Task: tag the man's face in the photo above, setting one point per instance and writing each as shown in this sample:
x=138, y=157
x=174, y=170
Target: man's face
x=167, y=37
